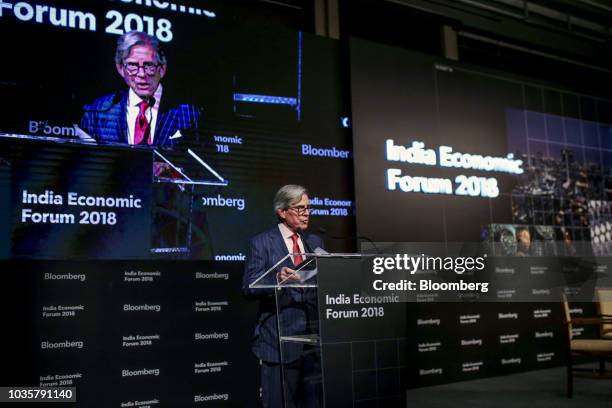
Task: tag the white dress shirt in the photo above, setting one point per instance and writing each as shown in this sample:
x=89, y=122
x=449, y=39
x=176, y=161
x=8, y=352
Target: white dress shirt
x=133, y=109
x=287, y=233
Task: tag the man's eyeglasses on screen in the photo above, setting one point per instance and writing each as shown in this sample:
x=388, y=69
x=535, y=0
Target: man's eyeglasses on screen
x=132, y=68
x=301, y=209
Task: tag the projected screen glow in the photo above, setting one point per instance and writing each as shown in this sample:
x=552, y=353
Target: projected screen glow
x=232, y=113
x=449, y=149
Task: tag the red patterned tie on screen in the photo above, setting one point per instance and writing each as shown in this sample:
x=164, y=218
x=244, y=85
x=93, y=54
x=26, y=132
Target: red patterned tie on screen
x=297, y=259
x=142, y=130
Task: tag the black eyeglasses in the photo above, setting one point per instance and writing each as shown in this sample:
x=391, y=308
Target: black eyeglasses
x=132, y=68
x=301, y=209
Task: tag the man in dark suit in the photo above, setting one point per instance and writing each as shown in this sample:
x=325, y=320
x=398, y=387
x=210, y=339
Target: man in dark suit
x=143, y=114
x=298, y=307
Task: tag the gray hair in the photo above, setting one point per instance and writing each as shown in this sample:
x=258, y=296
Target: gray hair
x=132, y=38
x=288, y=195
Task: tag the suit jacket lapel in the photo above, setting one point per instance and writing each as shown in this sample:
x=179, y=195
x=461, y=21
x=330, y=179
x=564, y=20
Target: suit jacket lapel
x=165, y=116
x=279, y=244
x=307, y=247
x=123, y=130
x=278, y=251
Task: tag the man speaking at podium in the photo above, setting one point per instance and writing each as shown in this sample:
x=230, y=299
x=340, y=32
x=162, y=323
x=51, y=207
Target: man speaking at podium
x=143, y=114
x=298, y=308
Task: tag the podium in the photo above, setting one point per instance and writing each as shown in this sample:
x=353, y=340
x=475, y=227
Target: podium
x=319, y=319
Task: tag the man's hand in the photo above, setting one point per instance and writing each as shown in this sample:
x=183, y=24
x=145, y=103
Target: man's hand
x=163, y=169
x=287, y=275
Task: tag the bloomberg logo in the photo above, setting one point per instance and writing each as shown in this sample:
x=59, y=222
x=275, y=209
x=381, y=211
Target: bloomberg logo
x=309, y=150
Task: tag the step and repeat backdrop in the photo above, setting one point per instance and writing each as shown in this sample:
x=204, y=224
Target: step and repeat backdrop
x=448, y=152
x=130, y=333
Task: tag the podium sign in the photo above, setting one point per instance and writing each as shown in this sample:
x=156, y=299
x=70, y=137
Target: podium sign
x=363, y=338
x=352, y=350
x=75, y=201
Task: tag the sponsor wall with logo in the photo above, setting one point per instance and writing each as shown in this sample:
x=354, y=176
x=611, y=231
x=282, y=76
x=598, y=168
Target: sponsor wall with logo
x=132, y=333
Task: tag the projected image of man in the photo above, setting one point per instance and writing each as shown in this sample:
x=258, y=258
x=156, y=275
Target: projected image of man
x=297, y=306
x=144, y=113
